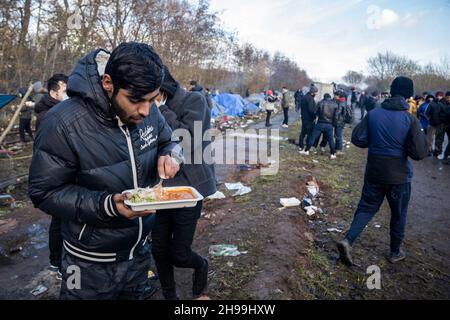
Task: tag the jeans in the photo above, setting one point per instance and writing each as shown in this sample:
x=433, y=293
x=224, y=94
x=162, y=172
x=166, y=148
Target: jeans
x=438, y=134
x=447, y=150
x=327, y=130
x=286, y=116
x=307, y=129
x=55, y=242
x=372, y=197
x=269, y=113
x=338, y=134
x=172, y=238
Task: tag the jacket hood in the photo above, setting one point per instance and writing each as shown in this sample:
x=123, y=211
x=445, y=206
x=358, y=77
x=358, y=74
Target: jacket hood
x=85, y=82
x=198, y=88
x=395, y=103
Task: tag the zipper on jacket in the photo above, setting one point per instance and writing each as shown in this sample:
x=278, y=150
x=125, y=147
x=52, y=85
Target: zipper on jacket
x=81, y=233
x=135, y=183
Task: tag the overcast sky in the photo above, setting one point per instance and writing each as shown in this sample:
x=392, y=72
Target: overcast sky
x=329, y=37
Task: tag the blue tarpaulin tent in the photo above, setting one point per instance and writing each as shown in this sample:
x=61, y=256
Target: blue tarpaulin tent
x=235, y=105
x=5, y=99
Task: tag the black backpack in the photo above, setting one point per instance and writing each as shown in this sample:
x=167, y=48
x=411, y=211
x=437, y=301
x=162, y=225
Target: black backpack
x=348, y=114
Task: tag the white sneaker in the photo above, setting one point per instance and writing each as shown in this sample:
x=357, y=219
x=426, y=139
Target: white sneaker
x=333, y=156
x=285, y=126
x=322, y=149
x=306, y=153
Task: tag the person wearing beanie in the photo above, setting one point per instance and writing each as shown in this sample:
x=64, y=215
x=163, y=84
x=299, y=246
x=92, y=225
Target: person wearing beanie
x=195, y=87
x=308, y=112
x=174, y=229
x=436, y=128
x=392, y=135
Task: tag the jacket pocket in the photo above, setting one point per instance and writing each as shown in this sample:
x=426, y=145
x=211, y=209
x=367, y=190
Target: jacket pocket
x=85, y=234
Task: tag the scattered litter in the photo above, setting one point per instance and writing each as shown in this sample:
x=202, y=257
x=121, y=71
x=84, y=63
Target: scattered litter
x=15, y=249
x=312, y=191
x=311, y=210
x=40, y=289
x=307, y=202
x=241, y=189
x=334, y=230
x=377, y=226
x=217, y=196
x=289, y=202
x=278, y=291
x=230, y=264
x=315, y=161
x=7, y=200
x=225, y=250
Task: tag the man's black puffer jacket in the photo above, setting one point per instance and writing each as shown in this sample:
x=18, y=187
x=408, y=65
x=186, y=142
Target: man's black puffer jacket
x=82, y=157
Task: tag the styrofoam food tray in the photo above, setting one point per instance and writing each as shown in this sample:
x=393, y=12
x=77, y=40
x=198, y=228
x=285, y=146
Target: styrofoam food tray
x=161, y=205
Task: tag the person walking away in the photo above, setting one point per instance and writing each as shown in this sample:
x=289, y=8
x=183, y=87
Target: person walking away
x=392, y=135
x=436, y=127
x=308, y=112
x=174, y=229
x=285, y=106
x=326, y=113
x=107, y=138
x=361, y=103
x=298, y=99
x=56, y=87
x=270, y=106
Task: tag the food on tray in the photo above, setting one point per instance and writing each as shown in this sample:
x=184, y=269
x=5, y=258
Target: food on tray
x=148, y=195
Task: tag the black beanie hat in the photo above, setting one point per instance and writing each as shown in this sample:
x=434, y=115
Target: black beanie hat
x=447, y=94
x=169, y=85
x=402, y=86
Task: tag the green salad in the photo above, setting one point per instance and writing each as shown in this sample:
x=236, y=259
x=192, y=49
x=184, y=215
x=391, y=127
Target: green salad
x=142, y=195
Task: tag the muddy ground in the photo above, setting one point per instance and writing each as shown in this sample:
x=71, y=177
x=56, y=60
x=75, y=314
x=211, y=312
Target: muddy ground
x=289, y=255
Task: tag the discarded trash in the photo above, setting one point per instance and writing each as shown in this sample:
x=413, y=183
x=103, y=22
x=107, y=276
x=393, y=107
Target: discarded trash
x=230, y=264
x=289, y=202
x=311, y=210
x=241, y=189
x=334, y=230
x=15, y=249
x=225, y=250
x=316, y=161
x=216, y=196
x=377, y=226
x=7, y=200
x=312, y=191
x=307, y=202
x=40, y=289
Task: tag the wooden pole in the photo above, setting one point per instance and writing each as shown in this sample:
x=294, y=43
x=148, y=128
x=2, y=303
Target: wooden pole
x=16, y=114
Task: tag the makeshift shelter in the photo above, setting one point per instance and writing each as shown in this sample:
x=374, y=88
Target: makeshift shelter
x=5, y=99
x=235, y=105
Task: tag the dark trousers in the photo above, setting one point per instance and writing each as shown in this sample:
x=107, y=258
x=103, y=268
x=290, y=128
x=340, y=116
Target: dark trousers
x=327, y=130
x=447, y=149
x=269, y=113
x=286, y=115
x=55, y=242
x=172, y=238
x=323, y=143
x=372, y=197
x=307, y=129
x=440, y=136
x=25, y=127
x=125, y=280
x=339, y=136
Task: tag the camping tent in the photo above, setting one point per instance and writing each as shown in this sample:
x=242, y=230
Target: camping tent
x=235, y=105
x=5, y=99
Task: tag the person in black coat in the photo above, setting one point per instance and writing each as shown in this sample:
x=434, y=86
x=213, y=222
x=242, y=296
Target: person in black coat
x=174, y=229
x=308, y=112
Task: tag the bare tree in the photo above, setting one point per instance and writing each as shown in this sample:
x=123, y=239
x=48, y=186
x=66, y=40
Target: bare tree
x=353, y=77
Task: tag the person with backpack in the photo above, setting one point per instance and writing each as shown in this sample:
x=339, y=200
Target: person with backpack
x=392, y=135
x=326, y=113
x=422, y=113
